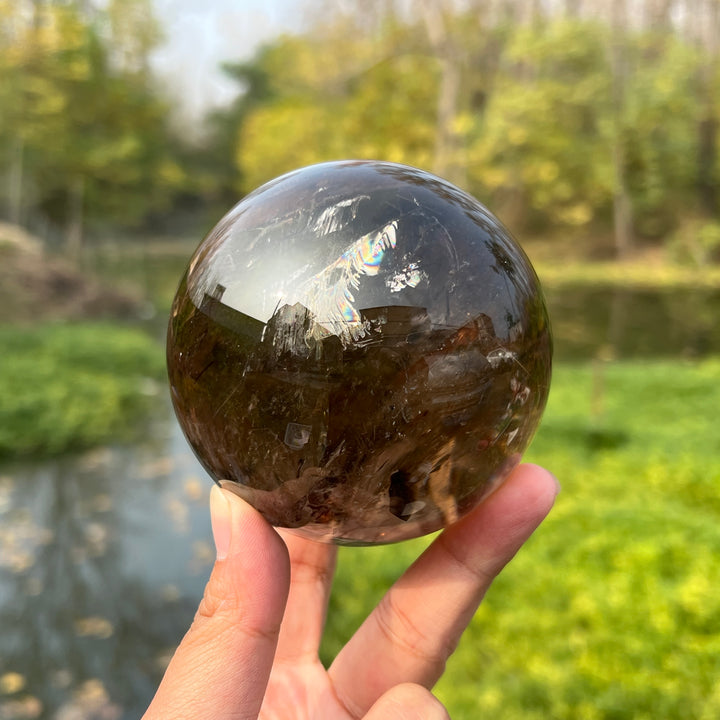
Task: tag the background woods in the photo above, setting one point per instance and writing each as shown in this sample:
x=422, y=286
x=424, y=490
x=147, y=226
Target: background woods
x=596, y=121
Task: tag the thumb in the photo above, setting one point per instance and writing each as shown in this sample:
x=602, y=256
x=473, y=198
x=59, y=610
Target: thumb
x=221, y=668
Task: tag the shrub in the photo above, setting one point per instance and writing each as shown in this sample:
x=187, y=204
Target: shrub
x=64, y=387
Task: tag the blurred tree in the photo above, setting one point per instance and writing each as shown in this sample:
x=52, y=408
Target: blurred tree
x=337, y=93
x=438, y=18
x=84, y=133
x=539, y=153
x=218, y=156
x=43, y=53
x=622, y=209
x=133, y=33
x=662, y=110
x=564, y=114
x=297, y=123
x=709, y=123
x=12, y=144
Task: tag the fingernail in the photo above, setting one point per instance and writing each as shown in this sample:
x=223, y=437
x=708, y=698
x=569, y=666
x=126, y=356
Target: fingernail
x=221, y=520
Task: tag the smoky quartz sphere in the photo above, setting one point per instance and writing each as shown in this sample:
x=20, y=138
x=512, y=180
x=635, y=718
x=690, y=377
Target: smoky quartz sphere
x=360, y=350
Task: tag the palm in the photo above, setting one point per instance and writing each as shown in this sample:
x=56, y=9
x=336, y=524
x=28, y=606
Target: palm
x=301, y=692
x=300, y=688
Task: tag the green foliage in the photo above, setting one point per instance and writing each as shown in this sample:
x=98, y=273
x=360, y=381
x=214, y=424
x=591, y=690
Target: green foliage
x=326, y=101
x=84, y=133
x=551, y=122
x=696, y=243
x=659, y=133
x=379, y=122
x=548, y=134
x=611, y=611
x=67, y=387
x=543, y=136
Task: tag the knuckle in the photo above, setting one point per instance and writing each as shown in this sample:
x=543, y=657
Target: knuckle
x=481, y=573
x=403, y=632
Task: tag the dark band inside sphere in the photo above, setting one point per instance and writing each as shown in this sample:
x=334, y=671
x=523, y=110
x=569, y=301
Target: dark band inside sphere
x=360, y=350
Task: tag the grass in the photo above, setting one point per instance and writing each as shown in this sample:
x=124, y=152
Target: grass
x=611, y=611
x=567, y=260
x=637, y=274
x=66, y=387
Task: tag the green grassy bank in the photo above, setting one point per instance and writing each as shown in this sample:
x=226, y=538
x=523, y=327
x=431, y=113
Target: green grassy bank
x=612, y=611
x=67, y=387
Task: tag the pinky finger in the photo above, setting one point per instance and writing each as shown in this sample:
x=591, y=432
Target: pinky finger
x=407, y=701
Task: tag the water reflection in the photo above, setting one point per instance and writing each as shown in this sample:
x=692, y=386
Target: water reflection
x=634, y=323
x=102, y=563
x=587, y=320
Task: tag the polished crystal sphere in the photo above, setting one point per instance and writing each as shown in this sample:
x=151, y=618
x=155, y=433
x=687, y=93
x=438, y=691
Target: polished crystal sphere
x=360, y=350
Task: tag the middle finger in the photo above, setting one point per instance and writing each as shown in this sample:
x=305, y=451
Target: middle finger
x=312, y=567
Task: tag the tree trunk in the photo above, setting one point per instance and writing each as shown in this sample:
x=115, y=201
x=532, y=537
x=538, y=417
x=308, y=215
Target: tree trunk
x=38, y=6
x=445, y=162
x=15, y=182
x=710, y=123
x=446, y=142
x=622, y=208
x=532, y=12
x=659, y=14
x=707, y=156
x=572, y=8
x=76, y=201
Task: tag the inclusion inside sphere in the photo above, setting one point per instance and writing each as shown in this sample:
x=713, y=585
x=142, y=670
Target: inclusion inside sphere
x=360, y=350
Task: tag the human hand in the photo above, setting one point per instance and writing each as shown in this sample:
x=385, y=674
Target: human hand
x=252, y=650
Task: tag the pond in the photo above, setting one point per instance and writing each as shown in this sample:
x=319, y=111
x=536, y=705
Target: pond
x=104, y=556
x=632, y=323
x=588, y=320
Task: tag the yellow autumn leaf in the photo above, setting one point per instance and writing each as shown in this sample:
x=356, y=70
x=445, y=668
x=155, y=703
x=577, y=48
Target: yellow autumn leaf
x=517, y=135
x=195, y=489
x=11, y=682
x=203, y=552
x=94, y=626
x=155, y=468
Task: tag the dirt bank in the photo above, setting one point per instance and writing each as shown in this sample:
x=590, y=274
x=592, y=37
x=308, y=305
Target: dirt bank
x=38, y=287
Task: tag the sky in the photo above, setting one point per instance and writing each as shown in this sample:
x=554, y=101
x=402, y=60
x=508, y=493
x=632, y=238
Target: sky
x=200, y=34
